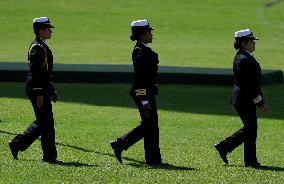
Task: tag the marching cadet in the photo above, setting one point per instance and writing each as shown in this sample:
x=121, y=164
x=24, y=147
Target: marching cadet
x=41, y=92
x=246, y=96
x=143, y=92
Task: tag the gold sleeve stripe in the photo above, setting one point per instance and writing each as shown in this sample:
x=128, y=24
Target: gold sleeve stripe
x=36, y=88
x=257, y=99
x=140, y=92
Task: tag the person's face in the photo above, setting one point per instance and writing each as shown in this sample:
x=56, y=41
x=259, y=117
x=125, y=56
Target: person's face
x=45, y=33
x=147, y=37
x=249, y=46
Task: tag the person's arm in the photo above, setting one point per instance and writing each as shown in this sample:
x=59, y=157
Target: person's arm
x=37, y=58
x=140, y=68
x=250, y=83
x=141, y=92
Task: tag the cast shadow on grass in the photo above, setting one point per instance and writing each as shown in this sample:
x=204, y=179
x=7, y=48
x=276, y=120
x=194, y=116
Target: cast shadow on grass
x=169, y=167
x=80, y=149
x=268, y=168
x=71, y=164
x=136, y=163
x=76, y=164
x=197, y=99
x=67, y=164
x=272, y=168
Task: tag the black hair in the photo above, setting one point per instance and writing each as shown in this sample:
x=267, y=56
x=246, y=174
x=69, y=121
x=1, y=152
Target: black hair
x=137, y=31
x=36, y=30
x=238, y=43
x=133, y=38
x=38, y=27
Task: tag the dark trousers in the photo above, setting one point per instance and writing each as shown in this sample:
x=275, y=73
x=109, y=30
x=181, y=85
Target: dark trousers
x=43, y=126
x=246, y=135
x=149, y=130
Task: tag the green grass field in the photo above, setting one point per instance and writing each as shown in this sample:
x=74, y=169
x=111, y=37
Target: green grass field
x=188, y=32
x=192, y=118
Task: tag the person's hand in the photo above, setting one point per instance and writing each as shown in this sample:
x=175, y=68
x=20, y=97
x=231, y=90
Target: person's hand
x=147, y=110
x=264, y=108
x=55, y=96
x=39, y=101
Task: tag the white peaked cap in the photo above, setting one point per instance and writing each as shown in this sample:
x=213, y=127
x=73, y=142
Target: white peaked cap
x=245, y=33
x=40, y=20
x=242, y=33
x=140, y=23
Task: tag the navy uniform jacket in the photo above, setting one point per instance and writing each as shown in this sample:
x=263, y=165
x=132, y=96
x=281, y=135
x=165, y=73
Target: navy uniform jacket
x=145, y=63
x=247, y=75
x=39, y=79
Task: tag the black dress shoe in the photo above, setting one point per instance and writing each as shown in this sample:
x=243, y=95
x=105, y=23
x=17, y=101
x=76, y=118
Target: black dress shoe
x=13, y=150
x=160, y=164
x=52, y=160
x=163, y=164
x=222, y=152
x=256, y=165
x=117, y=150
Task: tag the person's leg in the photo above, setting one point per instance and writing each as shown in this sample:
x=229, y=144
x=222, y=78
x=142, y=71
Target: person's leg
x=131, y=137
x=246, y=135
x=250, y=127
x=136, y=134
x=230, y=143
x=22, y=141
x=151, y=136
x=234, y=140
x=47, y=131
x=127, y=140
x=237, y=138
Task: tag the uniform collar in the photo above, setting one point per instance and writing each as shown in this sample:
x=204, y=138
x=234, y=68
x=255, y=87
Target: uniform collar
x=42, y=40
x=248, y=52
x=143, y=43
x=245, y=52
